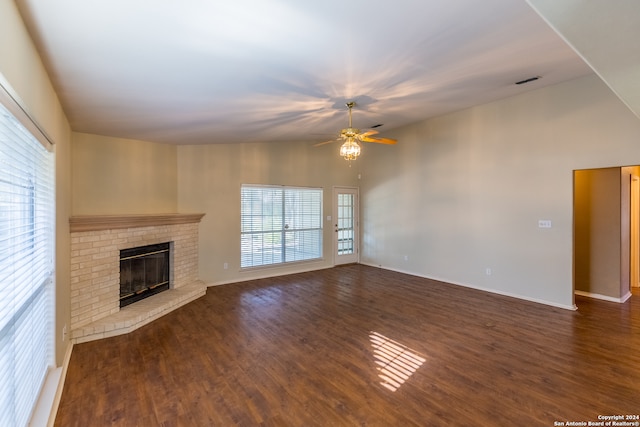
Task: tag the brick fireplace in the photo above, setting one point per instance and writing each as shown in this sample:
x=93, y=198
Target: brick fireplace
x=96, y=242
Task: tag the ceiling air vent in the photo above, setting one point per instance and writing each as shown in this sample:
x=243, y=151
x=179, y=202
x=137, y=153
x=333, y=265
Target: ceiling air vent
x=529, y=80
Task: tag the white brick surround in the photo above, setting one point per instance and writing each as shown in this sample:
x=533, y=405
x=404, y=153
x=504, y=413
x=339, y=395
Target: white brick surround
x=96, y=242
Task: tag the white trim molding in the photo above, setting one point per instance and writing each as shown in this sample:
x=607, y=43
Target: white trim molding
x=44, y=414
x=621, y=300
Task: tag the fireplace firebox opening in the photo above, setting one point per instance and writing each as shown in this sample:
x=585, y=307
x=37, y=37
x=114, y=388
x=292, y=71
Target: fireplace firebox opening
x=144, y=271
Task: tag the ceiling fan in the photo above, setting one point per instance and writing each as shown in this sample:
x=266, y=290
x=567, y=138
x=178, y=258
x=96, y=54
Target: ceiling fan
x=350, y=149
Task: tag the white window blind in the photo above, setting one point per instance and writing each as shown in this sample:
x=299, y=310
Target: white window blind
x=280, y=224
x=26, y=269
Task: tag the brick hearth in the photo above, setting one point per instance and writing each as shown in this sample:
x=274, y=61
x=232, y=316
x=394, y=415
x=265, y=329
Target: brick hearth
x=96, y=242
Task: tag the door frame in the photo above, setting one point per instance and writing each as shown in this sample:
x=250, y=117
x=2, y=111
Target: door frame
x=355, y=257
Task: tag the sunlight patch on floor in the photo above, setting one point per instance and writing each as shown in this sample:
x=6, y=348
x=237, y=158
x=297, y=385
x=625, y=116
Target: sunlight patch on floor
x=396, y=362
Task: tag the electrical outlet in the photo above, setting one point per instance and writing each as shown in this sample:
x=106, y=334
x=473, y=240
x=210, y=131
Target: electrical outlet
x=488, y=271
x=226, y=265
x=64, y=333
x=544, y=223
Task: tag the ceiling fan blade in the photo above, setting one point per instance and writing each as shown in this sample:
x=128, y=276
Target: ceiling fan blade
x=326, y=142
x=369, y=132
x=378, y=140
x=352, y=134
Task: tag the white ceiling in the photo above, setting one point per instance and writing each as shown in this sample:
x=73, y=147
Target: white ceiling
x=203, y=71
x=605, y=34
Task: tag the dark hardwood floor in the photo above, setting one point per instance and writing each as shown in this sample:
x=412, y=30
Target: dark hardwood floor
x=357, y=345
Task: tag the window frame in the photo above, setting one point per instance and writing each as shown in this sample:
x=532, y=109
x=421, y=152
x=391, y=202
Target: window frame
x=290, y=231
x=27, y=254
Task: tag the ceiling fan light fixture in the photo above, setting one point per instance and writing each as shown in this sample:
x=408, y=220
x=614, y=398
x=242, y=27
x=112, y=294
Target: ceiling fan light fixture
x=350, y=150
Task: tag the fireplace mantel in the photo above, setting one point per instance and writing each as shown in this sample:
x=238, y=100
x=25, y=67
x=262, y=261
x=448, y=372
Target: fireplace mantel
x=114, y=222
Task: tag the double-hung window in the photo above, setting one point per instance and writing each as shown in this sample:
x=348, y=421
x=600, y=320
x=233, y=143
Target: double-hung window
x=280, y=225
x=26, y=268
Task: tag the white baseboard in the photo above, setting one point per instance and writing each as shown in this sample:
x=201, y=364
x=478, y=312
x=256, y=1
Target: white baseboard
x=44, y=414
x=492, y=291
x=267, y=272
x=63, y=376
x=604, y=297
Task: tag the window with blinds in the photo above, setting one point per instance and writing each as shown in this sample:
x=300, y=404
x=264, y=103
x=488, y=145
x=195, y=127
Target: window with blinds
x=279, y=225
x=26, y=269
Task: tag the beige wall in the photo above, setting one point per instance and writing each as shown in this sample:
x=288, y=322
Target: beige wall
x=464, y=192
x=22, y=68
x=209, y=181
x=122, y=176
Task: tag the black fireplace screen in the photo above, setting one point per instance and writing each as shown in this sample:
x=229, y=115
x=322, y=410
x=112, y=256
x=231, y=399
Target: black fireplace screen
x=144, y=271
